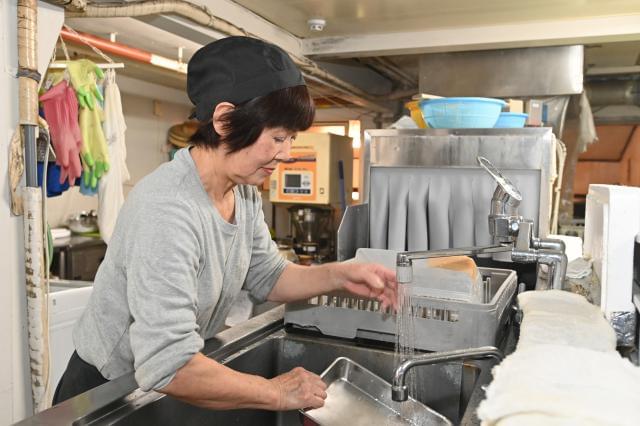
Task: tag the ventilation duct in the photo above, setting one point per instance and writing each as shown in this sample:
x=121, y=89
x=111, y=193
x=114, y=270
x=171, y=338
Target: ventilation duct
x=528, y=72
x=614, y=92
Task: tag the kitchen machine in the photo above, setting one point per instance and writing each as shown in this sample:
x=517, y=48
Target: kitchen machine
x=315, y=184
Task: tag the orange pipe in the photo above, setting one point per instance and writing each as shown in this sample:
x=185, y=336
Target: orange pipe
x=107, y=46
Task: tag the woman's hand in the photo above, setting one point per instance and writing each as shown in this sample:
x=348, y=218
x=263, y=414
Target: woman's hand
x=298, y=389
x=367, y=280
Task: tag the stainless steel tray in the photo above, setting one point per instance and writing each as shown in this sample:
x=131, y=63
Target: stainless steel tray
x=357, y=397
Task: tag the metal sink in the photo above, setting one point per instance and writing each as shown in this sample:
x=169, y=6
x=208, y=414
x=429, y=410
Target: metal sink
x=446, y=387
x=263, y=347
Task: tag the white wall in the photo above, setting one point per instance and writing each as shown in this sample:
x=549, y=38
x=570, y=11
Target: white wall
x=345, y=114
x=15, y=391
x=146, y=145
x=146, y=136
x=147, y=124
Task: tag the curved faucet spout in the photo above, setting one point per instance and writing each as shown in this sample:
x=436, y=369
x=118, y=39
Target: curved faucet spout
x=404, y=260
x=399, y=391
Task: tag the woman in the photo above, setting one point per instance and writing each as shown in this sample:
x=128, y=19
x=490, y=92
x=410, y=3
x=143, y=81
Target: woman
x=191, y=235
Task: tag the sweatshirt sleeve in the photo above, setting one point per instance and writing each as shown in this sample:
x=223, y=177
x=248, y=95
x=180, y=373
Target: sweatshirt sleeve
x=266, y=264
x=162, y=262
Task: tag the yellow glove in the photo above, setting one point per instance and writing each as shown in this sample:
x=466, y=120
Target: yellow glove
x=84, y=75
x=53, y=78
x=95, y=154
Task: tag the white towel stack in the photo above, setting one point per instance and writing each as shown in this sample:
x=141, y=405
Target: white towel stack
x=565, y=370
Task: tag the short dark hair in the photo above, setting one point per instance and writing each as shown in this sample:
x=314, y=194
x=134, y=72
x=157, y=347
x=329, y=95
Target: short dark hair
x=291, y=108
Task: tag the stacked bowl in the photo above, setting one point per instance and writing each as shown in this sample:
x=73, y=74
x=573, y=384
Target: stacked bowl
x=468, y=113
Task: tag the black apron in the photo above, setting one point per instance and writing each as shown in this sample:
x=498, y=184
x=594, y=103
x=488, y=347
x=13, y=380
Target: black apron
x=79, y=377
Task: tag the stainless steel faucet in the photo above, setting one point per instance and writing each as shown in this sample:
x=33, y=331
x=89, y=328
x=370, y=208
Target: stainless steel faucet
x=404, y=260
x=512, y=235
x=399, y=390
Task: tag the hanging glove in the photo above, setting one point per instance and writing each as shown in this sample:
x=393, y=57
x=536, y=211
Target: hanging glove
x=95, y=154
x=61, y=112
x=53, y=78
x=84, y=75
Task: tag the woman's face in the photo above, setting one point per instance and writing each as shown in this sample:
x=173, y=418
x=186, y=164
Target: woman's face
x=253, y=164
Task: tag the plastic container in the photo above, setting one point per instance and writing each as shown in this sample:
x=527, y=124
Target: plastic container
x=440, y=324
x=461, y=113
x=511, y=120
x=416, y=113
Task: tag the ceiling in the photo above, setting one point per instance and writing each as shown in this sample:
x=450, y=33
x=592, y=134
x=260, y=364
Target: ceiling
x=621, y=54
x=358, y=19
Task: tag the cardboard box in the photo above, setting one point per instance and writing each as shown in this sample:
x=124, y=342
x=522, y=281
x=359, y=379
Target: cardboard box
x=533, y=107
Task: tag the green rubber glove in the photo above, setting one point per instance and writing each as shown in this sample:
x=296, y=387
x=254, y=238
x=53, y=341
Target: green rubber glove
x=95, y=154
x=84, y=75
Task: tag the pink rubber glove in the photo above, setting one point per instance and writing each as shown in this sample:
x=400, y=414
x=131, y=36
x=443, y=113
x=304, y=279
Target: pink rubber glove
x=61, y=112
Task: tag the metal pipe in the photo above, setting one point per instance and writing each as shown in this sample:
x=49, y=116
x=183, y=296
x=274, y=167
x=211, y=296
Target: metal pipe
x=107, y=46
x=369, y=62
x=123, y=50
x=202, y=16
x=555, y=259
x=613, y=92
x=399, y=390
x=409, y=79
x=404, y=264
x=30, y=155
x=392, y=72
x=503, y=203
x=548, y=243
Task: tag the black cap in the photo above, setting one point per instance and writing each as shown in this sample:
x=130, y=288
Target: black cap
x=237, y=69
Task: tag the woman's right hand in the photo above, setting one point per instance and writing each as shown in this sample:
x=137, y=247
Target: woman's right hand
x=298, y=389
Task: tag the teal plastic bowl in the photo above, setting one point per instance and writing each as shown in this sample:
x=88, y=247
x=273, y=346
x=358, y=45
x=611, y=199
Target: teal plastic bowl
x=511, y=120
x=461, y=113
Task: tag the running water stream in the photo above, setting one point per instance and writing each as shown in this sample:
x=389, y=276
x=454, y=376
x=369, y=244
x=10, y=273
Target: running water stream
x=405, y=335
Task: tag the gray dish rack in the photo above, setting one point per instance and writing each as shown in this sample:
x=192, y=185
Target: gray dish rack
x=440, y=324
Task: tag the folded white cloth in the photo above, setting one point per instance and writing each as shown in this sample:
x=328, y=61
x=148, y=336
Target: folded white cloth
x=565, y=370
x=563, y=385
x=563, y=318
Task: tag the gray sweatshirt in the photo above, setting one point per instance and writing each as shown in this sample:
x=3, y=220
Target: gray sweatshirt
x=171, y=272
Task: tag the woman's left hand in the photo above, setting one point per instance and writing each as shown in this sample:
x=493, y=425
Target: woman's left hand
x=367, y=280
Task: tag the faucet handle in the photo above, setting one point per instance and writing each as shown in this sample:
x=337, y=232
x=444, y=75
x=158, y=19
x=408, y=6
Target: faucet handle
x=506, y=185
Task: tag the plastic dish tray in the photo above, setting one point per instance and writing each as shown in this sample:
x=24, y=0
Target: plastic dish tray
x=440, y=324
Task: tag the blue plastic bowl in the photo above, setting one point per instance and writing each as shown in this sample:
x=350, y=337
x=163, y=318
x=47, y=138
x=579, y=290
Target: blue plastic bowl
x=461, y=113
x=511, y=120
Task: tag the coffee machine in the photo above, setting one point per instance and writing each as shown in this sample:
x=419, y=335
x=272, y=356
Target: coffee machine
x=315, y=186
x=314, y=239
